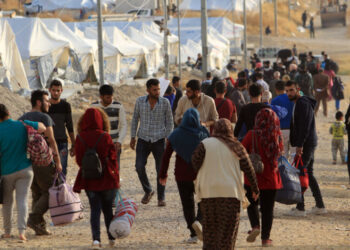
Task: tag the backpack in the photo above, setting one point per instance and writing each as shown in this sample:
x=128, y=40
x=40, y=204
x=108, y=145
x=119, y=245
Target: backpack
x=337, y=88
x=38, y=151
x=91, y=166
x=304, y=81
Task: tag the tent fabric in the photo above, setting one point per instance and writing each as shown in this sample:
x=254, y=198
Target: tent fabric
x=12, y=71
x=228, y=5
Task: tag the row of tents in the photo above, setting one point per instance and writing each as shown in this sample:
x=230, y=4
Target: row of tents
x=34, y=50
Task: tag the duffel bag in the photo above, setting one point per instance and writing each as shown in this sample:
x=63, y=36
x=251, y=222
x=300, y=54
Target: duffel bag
x=291, y=191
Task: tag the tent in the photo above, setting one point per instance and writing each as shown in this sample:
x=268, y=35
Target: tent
x=219, y=5
x=41, y=50
x=12, y=74
x=78, y=65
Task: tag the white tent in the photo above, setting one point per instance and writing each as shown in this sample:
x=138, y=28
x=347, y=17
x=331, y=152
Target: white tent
x=77, y=69
x=41, y=50
x=219, y=5
x=12, y=74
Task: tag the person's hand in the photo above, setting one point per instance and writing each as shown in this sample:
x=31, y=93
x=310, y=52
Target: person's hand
x=299, y=151
x=132, y=143
x=71, y=151
x=162, y=181
x=255, y=196
x=59, y=168
x=118, y=146
x=203, y=124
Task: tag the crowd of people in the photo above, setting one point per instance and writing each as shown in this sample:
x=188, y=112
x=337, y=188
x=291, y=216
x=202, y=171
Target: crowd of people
x=273, y=109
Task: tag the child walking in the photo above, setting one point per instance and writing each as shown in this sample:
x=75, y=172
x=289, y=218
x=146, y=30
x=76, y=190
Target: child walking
x=338, y=131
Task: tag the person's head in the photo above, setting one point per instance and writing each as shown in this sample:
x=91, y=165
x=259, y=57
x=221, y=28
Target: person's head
x=4, y=112
x=325, y=56
x=106, y=94
x=327, y=65
x=293, y=67
x=153, y=88
x=208, y=75
x=40, y=100
x=242, y=84
x=339, y=116
x=193, y=89
x=258, y=76
x=188, y=58
x=223, y=128
x=242, y=75
x=292, y=90
x=294, y=45
x=94, y=118
x=169, y=90
x=255, y=90
x=191, y=119
x=176, y=81
x=302, y=68
x=220, y=88
x=199, y=55
x=266, y=96
x=285, y=78
x=267, y=64
x=280, y=87
x=276, y=75
x=56, y=89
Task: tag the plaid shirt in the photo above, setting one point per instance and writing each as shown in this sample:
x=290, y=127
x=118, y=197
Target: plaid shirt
x=156, y=123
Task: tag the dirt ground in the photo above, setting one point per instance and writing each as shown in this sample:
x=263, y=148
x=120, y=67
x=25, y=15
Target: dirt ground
x=165, y=228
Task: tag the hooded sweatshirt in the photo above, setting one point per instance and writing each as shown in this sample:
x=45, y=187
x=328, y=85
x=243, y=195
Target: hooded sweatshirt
x=92, y=128
x=303, y=126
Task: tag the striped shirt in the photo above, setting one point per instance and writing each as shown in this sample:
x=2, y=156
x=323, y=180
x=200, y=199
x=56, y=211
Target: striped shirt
x=156, y=123
x=117, y=119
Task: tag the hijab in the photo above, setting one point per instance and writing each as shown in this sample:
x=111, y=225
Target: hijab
x=185, y=138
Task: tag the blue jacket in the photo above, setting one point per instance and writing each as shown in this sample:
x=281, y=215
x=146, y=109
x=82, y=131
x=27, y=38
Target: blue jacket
x=283, y=101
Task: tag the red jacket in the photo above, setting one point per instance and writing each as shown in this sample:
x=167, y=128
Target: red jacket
x=270, y=178
x=92, y=128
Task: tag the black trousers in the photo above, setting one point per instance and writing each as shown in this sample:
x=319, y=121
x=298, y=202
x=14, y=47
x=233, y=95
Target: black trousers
x=267, y=203
x=349, y=153
x=186, y=190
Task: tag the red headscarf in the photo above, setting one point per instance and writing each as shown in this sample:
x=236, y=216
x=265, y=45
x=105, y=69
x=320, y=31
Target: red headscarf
x=267, y=127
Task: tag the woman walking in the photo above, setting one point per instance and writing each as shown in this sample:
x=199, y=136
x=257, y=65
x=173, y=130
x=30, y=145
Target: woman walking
x=267, y=140
x=219, y=161
x=93, y=128
x=16, y=169
x=184, y=140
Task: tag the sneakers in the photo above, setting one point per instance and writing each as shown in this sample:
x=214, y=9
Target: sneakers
x=266, y=243
x=197, y=227
x=96, y=245
x=296, y=213
x=192, y=240
x=147, y=197
x=161, y=203
x=318, y=211
x=253, y=234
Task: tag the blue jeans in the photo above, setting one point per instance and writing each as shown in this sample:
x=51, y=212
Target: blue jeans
x=63, y=150
x=337, y=104
x=143, y=149
x=101, y=201
x=308, y=160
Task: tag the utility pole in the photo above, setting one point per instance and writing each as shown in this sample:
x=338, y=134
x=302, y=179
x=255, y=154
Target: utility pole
x=100, y=43
x=261, y=23
x=234, y=28
x=204, y=23
x=179, y=35
x=166, y=50
x=245, y=34
x=275, y=10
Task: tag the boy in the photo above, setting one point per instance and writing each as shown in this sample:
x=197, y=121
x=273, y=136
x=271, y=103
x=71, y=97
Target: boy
x=338, y=131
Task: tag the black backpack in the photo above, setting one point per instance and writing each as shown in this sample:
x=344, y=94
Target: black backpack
x=91, y=166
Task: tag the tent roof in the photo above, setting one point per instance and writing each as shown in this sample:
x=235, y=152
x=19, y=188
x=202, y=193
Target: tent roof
x=219, y=5
x=143, y=39
x=33, y=38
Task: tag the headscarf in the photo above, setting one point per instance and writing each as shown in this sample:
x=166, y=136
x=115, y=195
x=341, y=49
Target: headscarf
x=269, y=136
x=185, y=138
x=224, y=132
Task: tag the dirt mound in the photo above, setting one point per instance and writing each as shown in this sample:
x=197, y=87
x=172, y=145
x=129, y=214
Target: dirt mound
x=16, y=104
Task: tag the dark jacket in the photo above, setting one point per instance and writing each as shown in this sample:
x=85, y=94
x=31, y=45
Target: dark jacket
x=91, y=129
x=303, y=127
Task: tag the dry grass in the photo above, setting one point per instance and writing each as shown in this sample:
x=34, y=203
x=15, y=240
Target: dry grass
x=344, y=64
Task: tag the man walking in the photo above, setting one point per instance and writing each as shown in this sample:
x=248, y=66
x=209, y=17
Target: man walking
x=178, y=94
x=43, y=176
x=282, y=100
x=304, y=80
x=61, y=113
x=321, y=86
x=116, y=115
x=303, y=136
x=312, y=28
x=195, y=99
x=154, y=116
x=304, y=18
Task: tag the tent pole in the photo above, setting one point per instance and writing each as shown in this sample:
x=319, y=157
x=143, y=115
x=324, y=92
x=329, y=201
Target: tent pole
x=179, y=35
x=204, y=23
x=100, y=44
x=261, y=23
x=166, y=50
x=245, y=35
